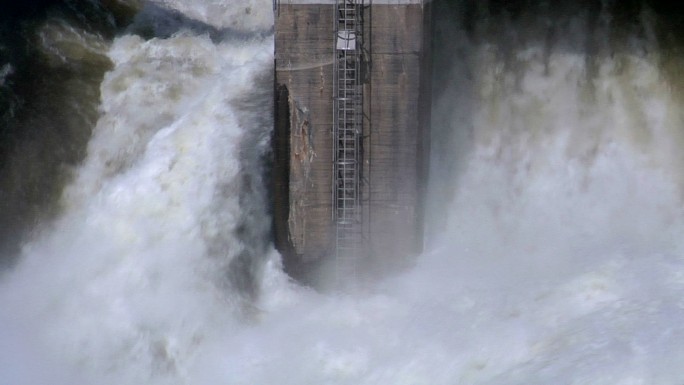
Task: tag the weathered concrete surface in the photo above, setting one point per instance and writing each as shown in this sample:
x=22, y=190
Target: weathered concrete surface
x=396, y=121
x=397, y=131
x=368, y=2
x=303, y=54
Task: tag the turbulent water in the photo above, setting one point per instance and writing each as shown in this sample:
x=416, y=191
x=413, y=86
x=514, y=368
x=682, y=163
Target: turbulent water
x=554, y=255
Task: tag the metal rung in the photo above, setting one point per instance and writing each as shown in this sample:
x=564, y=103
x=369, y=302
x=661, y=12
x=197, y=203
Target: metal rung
x=347, y=131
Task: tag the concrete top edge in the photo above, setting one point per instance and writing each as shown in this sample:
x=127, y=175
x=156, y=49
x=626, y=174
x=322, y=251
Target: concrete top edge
x=366, y=2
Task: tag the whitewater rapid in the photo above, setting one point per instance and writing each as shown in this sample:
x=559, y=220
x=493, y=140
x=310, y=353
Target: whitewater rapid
x=558, y=259
x=164, y=227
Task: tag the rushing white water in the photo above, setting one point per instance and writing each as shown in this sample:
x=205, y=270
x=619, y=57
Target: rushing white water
x=137, y=277
x=560, y=261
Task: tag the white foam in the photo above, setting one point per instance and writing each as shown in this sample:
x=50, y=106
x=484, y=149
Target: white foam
x=131, y=281
x=243, y=15
x=560, y=261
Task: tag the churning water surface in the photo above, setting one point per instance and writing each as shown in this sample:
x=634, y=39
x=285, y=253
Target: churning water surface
x=559, y=259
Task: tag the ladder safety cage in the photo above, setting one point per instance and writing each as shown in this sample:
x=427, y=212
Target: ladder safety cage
x=347, y=135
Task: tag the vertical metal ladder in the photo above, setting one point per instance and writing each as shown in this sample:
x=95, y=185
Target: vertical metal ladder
x=347, y=134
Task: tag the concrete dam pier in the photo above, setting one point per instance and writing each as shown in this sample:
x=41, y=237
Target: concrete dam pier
x=351, y=138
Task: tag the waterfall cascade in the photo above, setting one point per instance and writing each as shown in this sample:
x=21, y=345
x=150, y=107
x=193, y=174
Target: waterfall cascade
x=555, y=254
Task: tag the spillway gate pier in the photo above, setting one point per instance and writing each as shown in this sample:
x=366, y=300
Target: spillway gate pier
x=350, y=144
